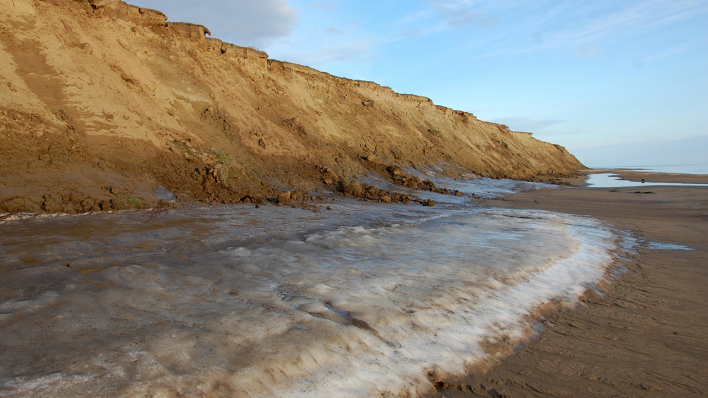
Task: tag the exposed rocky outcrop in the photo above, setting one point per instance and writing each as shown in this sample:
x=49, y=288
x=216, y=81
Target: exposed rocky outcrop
x=102, y=101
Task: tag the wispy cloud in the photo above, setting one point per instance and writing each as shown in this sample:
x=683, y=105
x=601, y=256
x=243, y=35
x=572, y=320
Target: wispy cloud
x=333, y=31
x=677, y=49
x=527, y=124
x=415, y=17
x=460, y=13
x=558, y=25
x=502, y=28
x=634, y=18
x=328, y=5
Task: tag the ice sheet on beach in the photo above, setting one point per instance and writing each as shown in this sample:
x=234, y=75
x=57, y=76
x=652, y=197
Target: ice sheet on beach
x=358, y=301
x=468, y=185
x=668, y=246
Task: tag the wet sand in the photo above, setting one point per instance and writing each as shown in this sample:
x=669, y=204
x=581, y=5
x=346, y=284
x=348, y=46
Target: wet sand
x=646, y=337
x=638, y=176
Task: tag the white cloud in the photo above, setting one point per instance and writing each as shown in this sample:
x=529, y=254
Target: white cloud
x=243, y=22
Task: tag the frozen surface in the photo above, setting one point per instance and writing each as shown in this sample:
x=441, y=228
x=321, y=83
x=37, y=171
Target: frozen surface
x=362, y=300
x=482, y=187
x=486, y=188
x=667, y=246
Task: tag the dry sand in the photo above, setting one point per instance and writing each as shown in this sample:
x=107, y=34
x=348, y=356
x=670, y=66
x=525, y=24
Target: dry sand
x=647, y=336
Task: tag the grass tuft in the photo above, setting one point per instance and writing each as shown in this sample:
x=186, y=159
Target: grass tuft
x=134, y=202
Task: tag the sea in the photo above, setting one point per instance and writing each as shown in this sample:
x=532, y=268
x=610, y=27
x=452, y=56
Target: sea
x=612, y=180
x=352, y=299
x=672, y=168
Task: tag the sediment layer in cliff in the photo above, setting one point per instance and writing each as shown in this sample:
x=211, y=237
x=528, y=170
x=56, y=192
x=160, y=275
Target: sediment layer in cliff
x=101, y=102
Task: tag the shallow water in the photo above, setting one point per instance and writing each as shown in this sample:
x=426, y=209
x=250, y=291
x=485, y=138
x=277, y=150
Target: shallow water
x=668, y=246
x=362, y=300
x=609, y=180
x=679, y=168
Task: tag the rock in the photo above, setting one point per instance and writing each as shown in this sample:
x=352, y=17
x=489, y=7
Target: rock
x=385, y=198
x=296, y=196
x=284, y=198
x=412, y=182
x=429, y=202
x=17, y=205
x=87, y=204
x=329, y=176
x=352, y=188
x=189, y=31
x=120, y=203
x=51, y=205
x=105, y=205
x=395, y=171
x=68, y=209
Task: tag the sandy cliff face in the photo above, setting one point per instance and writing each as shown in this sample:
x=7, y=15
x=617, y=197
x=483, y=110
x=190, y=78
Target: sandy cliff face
x=101, y=101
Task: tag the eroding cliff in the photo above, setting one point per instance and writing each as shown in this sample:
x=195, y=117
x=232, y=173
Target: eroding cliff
x=101, y=102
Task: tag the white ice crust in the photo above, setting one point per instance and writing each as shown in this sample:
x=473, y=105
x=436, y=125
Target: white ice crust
x=346, y=312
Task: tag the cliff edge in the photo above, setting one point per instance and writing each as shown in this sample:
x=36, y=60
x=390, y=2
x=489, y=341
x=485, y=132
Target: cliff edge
x=101, y=102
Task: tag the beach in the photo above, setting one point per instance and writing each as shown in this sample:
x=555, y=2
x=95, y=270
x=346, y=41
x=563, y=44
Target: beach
x=646, y=336
x=343, y=298
x=559, y=290
x=185, y=217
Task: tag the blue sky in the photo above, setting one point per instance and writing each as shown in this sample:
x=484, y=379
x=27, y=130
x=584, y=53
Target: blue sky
x=583, y=74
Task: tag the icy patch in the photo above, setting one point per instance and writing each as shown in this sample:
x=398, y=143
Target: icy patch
x=667, y=246
x=229, y=301
x=163, y=193
x=487, y=188
x=10, y=217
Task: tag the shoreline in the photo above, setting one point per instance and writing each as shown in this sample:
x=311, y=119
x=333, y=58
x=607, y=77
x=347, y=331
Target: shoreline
x=631, y=335
x=218, y=282
x=647, y=176
x=644, y=338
